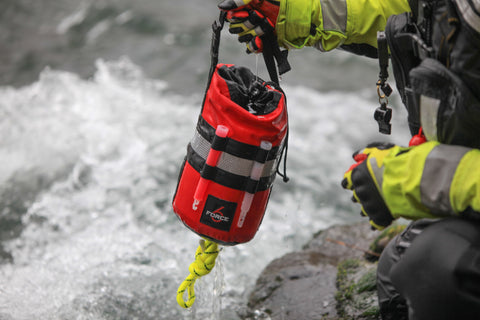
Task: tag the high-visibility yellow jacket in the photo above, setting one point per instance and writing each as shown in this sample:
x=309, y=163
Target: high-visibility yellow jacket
x=327, y=24
x=432, y=180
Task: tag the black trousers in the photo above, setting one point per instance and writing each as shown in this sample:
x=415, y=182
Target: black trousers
x=431, y=271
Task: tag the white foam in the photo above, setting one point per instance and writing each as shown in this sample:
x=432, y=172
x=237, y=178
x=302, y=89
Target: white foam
x=104, y=238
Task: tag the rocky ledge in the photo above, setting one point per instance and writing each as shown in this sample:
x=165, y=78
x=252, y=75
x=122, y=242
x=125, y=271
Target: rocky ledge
x=331, y=278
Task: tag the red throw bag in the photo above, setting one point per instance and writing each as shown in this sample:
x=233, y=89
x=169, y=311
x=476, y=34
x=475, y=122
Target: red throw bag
x=232, y=159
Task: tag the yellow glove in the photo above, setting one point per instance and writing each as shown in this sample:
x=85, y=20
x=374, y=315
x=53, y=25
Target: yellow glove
x=251, y=19
x=431, y=180
x=365, y=179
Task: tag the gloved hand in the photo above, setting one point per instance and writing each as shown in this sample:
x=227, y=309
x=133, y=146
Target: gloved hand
x=365, y=179
x=316, y=23
x=431, y=180
x=251, y=19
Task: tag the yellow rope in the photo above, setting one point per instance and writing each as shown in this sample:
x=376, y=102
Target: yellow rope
x=204, y=262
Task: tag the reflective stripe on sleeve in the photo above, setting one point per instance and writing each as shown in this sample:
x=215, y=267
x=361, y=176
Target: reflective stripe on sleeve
x=334, y=15
x=440, y=167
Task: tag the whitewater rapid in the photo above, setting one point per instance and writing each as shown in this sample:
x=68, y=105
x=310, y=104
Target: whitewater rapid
x=95, y=164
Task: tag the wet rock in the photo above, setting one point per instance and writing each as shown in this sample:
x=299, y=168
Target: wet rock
x=356, y=296
x=328, y=279
x=380, y=242
x=300, y=285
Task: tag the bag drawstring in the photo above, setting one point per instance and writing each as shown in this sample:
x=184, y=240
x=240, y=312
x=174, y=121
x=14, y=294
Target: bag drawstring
x=283, y=154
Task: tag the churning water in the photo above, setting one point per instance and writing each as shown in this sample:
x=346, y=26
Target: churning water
x=89, y=164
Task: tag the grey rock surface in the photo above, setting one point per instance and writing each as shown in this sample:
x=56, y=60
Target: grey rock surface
x=303, y=284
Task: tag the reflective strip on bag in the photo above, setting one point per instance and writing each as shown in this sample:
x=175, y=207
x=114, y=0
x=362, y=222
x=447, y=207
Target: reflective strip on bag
x=231, y=171
x=236, y=148
x=228, y=162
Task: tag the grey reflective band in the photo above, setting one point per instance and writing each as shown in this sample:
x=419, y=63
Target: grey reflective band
x=428, y=116
x=469, y=13
x=437, y=177
x=259, y=31
x=334, y=15
x=378, y=172
x=228, y=162
x=248, y=24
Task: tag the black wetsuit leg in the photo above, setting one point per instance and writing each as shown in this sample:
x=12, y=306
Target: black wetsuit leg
x=392, y=305
x=439, y=273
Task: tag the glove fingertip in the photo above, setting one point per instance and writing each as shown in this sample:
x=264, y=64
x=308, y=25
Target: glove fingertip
x=235, y=30
x=363, y=213
x=376, y=226
x=359, y=157
x=227, y=5
x=245, y=38
x=255, y=45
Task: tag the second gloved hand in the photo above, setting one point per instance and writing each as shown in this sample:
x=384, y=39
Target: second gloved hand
x=365, y=179
x=250, y=20
x=431, y=180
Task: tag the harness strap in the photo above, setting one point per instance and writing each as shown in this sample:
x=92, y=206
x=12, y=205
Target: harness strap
x=448, y=41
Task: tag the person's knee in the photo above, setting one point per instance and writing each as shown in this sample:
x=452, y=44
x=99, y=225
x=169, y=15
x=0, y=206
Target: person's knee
x=439, y=274
x=392, y=254
x=386, y=290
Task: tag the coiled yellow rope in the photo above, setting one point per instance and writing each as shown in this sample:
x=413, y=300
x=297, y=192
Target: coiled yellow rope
x=204, y=262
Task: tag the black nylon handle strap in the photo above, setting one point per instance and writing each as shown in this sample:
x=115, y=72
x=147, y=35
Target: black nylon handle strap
x=271, y=52
x=217, y=27
x=268, y=57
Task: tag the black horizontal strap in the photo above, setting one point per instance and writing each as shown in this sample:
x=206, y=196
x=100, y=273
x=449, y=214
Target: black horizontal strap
x=234, y=147
x=219, y=143
x=262, y=155
x=208, y=172
x=226, y=178
x=251, y=186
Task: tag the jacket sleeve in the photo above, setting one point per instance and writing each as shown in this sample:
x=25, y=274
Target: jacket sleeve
x=433, y=180
x=328, y=24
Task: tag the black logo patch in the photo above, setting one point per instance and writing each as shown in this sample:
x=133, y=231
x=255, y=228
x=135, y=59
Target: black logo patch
x=218, y=213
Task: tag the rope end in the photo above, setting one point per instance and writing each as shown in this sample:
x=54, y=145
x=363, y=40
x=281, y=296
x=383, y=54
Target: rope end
x=205, y=257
